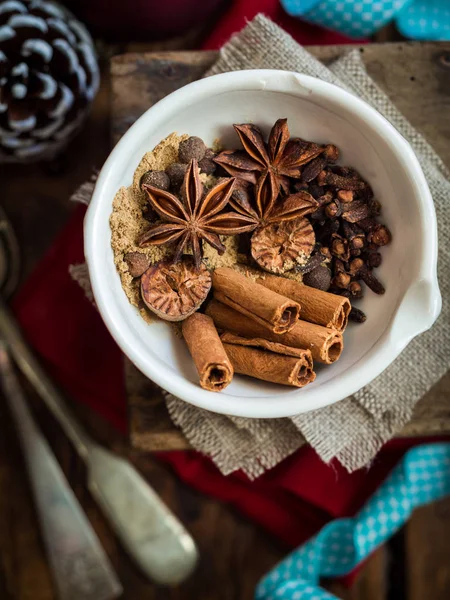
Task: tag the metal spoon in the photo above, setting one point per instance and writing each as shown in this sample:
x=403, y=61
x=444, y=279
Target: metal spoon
x=148, y=530
x=80, y=567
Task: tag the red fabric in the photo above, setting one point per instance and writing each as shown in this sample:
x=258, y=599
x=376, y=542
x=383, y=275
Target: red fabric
x=292, y=501
x=241, y=11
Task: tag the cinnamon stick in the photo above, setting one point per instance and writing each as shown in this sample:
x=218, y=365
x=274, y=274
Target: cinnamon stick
x=318, y=306
x=271, y=310
x=212, y=363
x=325, y=344
x=269, y=361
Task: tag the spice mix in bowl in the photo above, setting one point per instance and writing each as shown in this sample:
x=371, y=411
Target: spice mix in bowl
x=253, y=254
x=291, y=213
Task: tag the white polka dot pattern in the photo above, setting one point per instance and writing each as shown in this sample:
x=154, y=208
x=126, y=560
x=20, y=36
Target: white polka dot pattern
x=417, y=19
x=422, y=476
x=426, y=20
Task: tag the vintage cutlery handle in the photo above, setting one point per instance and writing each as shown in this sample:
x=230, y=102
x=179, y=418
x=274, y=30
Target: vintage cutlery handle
x=147, y=528
x=31, y=368
x=80, y=567
x=150, y=532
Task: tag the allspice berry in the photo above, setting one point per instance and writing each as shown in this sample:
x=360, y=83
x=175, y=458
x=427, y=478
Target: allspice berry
x=319, y=278
x=193, y=147
x=137, y=262
x=207, y=165
x=176, y=173
x=158, y=179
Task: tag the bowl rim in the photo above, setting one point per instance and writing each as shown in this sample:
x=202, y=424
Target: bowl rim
x=386, y=348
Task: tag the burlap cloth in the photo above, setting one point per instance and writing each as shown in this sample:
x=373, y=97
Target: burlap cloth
x=352, y=430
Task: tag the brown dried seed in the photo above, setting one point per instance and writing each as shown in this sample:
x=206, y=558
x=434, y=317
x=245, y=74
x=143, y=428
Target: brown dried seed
x=355, y=265
x=279, y=247
x=174, y=291
x=333, y=210
x=325, y=252
x=371, y=281
x=345, y=195
x=312, y=169
x=375, y=207
x=319, y=278
x=373, y=259
x=158, y=179
x=345, y=171
x=357, y=242
x=356, y=315
x=137, y=262
x=367, y=224
x=353, y=182
x=193, y=147
x=341, y=280
x=331, y=153
x=313, y=262
x=176, y=173
x=380, y=236
x=322, y=178
x=207, y=166
x=325, y=198
x=355, y=290
x=354, y=235
x=355, y=211
x=339, y=247
x=338, y=266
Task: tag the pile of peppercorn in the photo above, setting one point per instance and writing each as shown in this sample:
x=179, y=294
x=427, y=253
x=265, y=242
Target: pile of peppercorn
x=172, y=178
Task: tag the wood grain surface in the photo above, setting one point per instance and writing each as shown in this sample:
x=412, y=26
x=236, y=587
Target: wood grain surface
x=234, y=552
x=416, y=77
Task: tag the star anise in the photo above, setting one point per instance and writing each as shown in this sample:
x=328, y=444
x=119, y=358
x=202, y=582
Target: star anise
x=254, y=203
x=196, y=219
x=270, y=165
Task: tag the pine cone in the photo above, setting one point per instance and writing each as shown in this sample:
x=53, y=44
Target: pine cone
x=48, y=78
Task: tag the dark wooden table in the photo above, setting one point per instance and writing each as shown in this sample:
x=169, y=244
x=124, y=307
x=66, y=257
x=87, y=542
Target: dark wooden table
x=234, y=553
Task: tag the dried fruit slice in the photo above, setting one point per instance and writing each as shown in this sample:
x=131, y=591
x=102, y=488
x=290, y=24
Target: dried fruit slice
x=280, y=246
x=173, y=291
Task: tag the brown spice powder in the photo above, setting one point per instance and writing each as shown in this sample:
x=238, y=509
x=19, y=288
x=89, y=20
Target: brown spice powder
x=127, y=221
x=127, y=224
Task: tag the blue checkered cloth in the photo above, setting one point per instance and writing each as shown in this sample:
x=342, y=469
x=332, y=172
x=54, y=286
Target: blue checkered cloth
x=425, y=20
x=416, y=19
x=423, y=475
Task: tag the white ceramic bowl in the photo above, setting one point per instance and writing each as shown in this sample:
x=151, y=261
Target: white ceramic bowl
x=316, y=111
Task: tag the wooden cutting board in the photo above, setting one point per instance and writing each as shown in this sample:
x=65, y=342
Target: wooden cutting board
x=417, y=78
